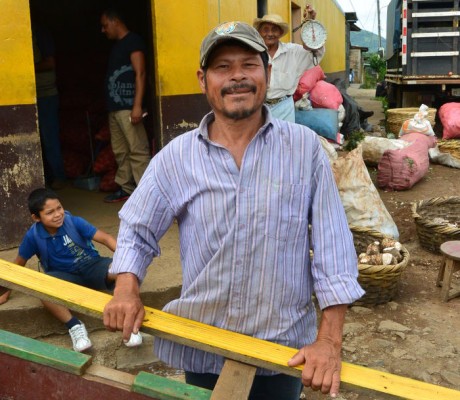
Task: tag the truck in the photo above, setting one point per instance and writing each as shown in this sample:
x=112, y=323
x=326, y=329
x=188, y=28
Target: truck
x=422, y=54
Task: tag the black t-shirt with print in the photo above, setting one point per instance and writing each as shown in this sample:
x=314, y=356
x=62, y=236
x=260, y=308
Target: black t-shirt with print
x=120, y=81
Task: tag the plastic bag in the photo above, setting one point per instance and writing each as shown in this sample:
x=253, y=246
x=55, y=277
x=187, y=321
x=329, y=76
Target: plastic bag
x=304, y=103
x=443, y=158
x=418, y=124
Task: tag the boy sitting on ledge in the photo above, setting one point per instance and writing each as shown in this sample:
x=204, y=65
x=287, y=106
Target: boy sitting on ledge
x=63, y=244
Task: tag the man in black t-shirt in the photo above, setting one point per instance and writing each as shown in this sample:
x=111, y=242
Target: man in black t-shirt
x=125, y=86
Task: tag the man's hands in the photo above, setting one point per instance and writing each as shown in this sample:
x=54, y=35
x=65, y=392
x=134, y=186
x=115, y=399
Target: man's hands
x=125, y=311
x=322, y=366
x=322, y=359
x=309, y=12
x=136, y=115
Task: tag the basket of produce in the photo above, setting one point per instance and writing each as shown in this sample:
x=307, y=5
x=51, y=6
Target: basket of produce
x=381, y=261
x=395, y=117
x=437, y=221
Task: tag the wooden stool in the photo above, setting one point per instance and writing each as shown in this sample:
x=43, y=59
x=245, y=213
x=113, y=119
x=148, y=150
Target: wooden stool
x=450, y=264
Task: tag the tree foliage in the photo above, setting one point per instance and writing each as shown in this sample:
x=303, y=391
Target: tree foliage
x=378, y=64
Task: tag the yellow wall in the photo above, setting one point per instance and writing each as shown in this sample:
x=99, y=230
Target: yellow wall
x=334, y=21
x=179, y=31
x=17, y=77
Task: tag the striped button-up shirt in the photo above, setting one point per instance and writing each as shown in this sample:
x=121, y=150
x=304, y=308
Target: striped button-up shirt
x=244, y=236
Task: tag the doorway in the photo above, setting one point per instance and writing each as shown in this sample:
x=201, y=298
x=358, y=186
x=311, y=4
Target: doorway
x=81, y=54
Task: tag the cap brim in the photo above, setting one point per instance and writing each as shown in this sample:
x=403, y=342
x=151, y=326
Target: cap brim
x=253, y=45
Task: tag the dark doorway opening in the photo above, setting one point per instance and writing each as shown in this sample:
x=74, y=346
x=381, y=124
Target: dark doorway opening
x=81, y=53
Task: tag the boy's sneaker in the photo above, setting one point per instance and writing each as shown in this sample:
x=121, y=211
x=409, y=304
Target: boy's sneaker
x=80, y=339
x=119, y=195
x=134, y=340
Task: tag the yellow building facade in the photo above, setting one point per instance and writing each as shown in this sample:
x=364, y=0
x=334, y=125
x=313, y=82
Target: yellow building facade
x=173, y=31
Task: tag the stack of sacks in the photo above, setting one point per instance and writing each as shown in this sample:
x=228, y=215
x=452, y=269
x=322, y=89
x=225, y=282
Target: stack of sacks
x=318, y=103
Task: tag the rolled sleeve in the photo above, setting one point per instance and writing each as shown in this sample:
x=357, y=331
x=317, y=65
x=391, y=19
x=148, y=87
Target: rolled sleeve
x=337, y=289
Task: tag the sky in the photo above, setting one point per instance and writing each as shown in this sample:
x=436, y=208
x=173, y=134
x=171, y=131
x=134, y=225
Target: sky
x=366, y=10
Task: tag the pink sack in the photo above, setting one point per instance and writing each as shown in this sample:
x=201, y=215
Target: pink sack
x=325, y=95
x=449, y=114
x=308, y=81
x=402, y=168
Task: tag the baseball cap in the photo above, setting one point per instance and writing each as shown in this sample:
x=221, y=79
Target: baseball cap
x=235, y=30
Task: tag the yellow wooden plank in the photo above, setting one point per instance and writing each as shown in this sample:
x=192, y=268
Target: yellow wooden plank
x=232, y=345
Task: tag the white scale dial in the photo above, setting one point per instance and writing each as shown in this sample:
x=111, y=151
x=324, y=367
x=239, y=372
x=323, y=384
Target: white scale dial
x=313, y=34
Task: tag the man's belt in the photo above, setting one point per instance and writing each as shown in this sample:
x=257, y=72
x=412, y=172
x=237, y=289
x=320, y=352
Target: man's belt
x=272, y=102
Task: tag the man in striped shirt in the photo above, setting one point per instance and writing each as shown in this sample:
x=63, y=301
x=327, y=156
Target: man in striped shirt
x=244, y=188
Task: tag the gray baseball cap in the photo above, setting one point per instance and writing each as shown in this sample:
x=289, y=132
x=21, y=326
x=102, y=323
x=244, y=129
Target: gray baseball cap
x=235, y=30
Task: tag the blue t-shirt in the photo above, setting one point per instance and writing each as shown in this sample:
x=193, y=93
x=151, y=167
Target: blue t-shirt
x=63, y=253
x=121, y=79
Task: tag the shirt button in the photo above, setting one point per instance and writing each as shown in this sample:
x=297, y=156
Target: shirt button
x=242, y=226
x=239, y=262
x=242, y=190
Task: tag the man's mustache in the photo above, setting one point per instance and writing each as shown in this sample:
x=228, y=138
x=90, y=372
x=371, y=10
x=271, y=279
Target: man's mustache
x=232, y=89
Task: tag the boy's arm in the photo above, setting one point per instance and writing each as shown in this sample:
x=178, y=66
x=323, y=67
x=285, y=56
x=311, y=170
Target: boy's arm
x=20, y=261
x=105, y=239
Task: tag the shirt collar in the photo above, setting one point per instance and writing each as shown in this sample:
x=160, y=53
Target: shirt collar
x=282, y=48
x=44, y=234
x=203, y=133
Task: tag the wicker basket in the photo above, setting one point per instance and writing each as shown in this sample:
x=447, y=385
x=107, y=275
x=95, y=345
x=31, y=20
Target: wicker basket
x=436, y=220
x=395, y=117
x=379, y=281
x=451, y=146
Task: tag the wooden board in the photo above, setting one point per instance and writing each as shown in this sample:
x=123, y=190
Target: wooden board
x=167, y=389
x=235, y=381
x=43, y=353
x=232, y=345
x=27, y=380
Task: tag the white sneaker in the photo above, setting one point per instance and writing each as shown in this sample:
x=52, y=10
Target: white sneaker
x=80, y=339
x=134, y=340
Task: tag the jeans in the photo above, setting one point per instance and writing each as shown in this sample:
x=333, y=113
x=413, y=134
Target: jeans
x=284, y=109
x=48, y=124
x=275, y=387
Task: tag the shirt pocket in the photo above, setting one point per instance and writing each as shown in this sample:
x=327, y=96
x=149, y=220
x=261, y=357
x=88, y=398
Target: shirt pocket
x=287, y=217
x=280, y=80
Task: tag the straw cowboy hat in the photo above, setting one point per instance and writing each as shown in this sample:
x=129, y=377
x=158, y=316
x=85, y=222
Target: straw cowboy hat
x=272, y=19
